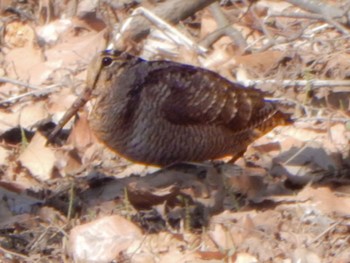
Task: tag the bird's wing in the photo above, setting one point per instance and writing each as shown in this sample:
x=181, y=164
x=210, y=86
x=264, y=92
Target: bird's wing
x=198, y=96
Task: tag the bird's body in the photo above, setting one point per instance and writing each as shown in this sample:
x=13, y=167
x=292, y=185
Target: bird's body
x=162, y=112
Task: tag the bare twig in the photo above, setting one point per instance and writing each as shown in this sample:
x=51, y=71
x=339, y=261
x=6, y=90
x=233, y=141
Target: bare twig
x=224, y=28
x=337, y=25
x=297, y=15
x=19, y=83
x=166, y=28
x=328, y=12
x=172, y=11
x=319, y=11
x=14, y=253
x=299, y=83
x=318, y=7
x=291, y=38
x=330, y=228
x=322, y=119
x=258, y=20
x=40, y=92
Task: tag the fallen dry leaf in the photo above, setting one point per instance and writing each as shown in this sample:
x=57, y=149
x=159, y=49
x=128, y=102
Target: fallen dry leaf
x=21, y=62
x=275, y=221
x=305, y=256
x=222, y=238
x=245, y=258
x=326, y=200
x=103, y=239
x=8, y=120
x=38, y=158
x=81, y=135
x=33, y=114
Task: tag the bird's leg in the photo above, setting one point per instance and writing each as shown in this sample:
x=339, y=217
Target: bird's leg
x=236, y=156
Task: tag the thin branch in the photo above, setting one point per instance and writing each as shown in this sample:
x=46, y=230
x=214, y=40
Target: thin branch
x=337, y=25
x=172, y=11
x=330, y=228
x=330, y=21
x=299, y=83
x=328, y=12
x=318, y=7
x=40, y=92
x=297, y=15
x=274, y=42
x=14, y=253
x=170, y=31
x=224, y=28
x=321, y=119
x=19, y=83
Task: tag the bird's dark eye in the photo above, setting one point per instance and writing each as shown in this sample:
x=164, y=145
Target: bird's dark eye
x=106, y=61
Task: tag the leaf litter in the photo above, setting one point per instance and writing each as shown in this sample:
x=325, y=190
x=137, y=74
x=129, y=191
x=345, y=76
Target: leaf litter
x=285, y=200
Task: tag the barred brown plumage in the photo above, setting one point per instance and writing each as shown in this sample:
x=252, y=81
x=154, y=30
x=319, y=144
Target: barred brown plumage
x=162, y=112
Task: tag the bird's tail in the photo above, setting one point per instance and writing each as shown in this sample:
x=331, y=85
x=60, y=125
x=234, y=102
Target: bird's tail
x=273, y=118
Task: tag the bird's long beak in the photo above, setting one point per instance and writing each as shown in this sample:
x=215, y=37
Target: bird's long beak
x=78, y=103
x=93, y=74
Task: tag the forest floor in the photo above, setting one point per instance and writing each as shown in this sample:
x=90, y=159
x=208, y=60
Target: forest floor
x=286, y=200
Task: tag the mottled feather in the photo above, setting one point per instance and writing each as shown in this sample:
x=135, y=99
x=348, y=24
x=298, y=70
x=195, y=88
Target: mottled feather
x=160, y=112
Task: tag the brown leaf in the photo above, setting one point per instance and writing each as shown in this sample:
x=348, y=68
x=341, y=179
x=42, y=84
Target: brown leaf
x=38, y=159
x=81, y=136
x=326, y=200
x=8, y=120
x=33, y=114
x=22, y=69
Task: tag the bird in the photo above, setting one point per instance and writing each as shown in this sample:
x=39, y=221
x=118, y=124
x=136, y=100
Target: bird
x=162, y=112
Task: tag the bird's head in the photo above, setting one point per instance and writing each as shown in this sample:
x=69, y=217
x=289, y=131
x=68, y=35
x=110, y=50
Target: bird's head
x=104, y=67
